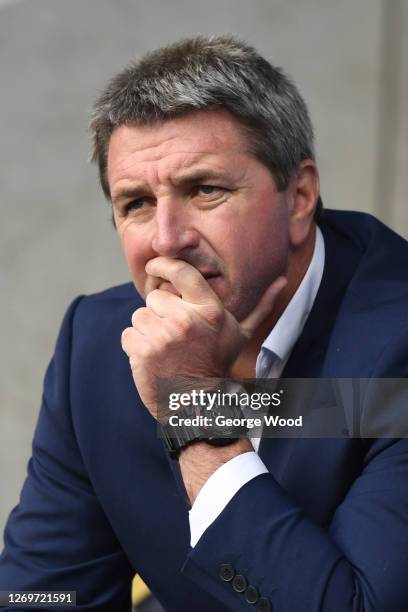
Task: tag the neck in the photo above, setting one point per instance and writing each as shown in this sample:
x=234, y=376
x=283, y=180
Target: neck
x=298, y=263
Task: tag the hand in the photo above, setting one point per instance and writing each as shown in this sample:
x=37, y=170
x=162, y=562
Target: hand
x=191, y=335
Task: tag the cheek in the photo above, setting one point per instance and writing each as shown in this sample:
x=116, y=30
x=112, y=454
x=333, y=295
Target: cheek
x=137, y=252
x=256, y=239
x=272, y=233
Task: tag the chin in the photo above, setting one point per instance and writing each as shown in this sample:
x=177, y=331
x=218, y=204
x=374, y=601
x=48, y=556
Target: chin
x=238, y=308
x=241, y=303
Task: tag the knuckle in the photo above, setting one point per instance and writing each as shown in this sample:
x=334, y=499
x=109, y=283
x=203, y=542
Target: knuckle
x=144, y=353
x=215, y=314
x=125, y=333
x=152, y=297
x=133, y=362
x=138, y=315
x=183, y=322
x=164, y=338
x=179, y=268
x=126, y=336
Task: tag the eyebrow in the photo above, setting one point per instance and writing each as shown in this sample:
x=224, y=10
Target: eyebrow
x=181, y=180
x=127, y=193
x=198, y=176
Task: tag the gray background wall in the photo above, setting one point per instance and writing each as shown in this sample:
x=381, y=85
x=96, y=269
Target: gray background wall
x=347, y=57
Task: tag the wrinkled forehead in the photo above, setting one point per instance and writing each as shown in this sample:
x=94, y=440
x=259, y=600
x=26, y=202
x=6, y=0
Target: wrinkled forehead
x=204, y=137
x=208, y=121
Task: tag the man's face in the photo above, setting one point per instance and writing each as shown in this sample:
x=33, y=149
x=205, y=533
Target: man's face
x=188, y=189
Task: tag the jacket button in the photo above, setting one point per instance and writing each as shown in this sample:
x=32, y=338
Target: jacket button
x=251, y=595
x=239, y=584
x=227, y=572
x=264, y=605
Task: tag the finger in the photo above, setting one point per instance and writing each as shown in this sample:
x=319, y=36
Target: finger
x=188, y=281
x=130, y=340
x=144, y=346
x=144, y=320
x=163, y=303
x=263, y=308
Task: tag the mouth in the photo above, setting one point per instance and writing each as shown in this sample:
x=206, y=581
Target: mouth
x=215, y=282
x=212, y=278
x=209, y=275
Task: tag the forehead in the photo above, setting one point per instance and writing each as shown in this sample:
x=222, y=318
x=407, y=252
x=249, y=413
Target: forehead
x=182, y=141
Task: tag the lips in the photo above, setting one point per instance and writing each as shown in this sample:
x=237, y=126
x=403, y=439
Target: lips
x=208, y=275
x=213, y=280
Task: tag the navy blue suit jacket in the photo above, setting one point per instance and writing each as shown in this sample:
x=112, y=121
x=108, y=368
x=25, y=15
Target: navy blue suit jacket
x=325, y=531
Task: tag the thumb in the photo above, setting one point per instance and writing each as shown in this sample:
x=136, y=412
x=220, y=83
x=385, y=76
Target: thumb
x=263, y=308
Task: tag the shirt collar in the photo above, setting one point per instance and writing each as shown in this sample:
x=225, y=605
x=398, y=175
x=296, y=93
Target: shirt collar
x=289, y=326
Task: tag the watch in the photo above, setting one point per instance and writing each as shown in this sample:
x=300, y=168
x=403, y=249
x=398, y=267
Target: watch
x=194, y=423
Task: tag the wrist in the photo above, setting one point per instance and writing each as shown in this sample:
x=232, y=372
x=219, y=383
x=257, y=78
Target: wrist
x=198, y=462
x=203, y=416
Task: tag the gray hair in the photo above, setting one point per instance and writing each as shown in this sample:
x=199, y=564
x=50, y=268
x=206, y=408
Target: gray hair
x=204, y=73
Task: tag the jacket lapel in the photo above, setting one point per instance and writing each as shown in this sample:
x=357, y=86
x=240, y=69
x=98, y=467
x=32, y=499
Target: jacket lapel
x=342, y=256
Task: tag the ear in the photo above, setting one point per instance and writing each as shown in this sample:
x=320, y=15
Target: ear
x=304, y=190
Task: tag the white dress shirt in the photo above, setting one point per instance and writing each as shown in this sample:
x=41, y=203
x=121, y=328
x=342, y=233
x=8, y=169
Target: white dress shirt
x=221, y=487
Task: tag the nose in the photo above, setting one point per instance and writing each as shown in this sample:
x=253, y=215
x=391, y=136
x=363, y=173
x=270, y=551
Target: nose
x=173, y=231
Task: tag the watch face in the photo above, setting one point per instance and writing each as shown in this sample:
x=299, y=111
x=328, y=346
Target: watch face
x=222, y=425
x=227, y=422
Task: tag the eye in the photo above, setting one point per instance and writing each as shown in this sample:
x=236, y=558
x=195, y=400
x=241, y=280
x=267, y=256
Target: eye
x=135, y=205
x=209, y=190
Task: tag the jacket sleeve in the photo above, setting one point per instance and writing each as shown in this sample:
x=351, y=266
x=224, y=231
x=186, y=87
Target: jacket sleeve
x=58, y=538
x=357, y=563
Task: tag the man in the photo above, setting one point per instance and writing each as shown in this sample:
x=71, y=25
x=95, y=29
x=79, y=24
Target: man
x=206, y=152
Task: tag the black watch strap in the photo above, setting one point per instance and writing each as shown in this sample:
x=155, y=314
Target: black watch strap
x=203, y=425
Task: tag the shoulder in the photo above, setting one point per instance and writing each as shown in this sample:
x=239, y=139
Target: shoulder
x=372, y=321
x=118, y=294
x=110, y=302
x=364, y=230
x=91, y=321
x=380, y=277
x=381, y=256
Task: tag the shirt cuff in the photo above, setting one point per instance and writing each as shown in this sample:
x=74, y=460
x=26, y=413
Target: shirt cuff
x=220, y=488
